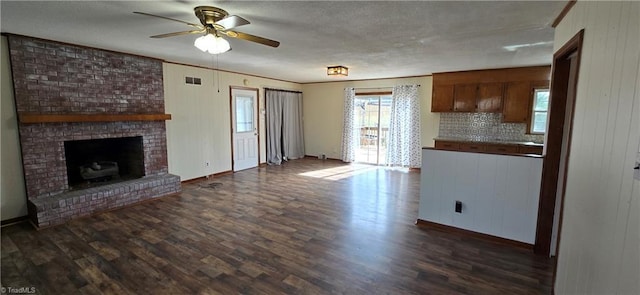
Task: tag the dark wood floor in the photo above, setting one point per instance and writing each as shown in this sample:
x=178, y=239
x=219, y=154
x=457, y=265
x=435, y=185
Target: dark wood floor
x=306, y=227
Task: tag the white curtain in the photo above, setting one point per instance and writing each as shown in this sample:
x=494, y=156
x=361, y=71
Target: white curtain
x=404, y=144
x=292, y=133
x=285, y=138
x=350, y=134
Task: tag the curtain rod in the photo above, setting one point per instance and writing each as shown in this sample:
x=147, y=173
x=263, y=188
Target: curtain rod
x=282, y=90
x=374, y=87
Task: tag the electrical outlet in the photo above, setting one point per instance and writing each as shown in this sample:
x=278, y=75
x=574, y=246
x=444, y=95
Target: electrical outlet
x=636, y=168
x=458, y=207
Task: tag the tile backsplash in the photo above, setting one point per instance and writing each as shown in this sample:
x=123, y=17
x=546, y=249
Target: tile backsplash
x=483, y=126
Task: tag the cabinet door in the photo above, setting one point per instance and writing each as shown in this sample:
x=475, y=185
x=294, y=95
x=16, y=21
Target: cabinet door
x=447, y=145
x=502, y=149
x=490, y=97
x=472, y=147
x=442, y=100
x=524, y=149
x=517, y=102
x=464, y=97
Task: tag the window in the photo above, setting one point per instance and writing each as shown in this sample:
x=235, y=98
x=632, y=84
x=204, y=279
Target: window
x=540, y=111
x=244, y=114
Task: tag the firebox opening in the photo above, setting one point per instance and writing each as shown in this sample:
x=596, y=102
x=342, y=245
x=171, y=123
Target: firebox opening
x=102, y=161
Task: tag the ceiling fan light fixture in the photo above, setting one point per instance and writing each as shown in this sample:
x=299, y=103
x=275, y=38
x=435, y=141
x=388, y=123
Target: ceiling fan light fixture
x=212, y=43
x=337, y=71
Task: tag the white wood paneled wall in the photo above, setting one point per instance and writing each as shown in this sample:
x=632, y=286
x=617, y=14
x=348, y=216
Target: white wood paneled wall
x=13, y=198
x=200, y=129
x=599, y=251
x=195, y=111
x=499, y=193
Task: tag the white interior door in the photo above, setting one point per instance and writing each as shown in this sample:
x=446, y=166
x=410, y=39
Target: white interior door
x=244, y=117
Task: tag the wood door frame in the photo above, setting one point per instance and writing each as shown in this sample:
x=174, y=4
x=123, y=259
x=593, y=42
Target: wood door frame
x=257, y=109
x=551, y=164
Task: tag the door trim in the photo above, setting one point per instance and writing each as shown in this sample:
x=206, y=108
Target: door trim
x=257, y=109
x=551, y=164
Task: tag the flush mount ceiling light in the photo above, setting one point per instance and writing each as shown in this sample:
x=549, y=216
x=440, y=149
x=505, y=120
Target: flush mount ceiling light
x=212, y=43
x=337, y=71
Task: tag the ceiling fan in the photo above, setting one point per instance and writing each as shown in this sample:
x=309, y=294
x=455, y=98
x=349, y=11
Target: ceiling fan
x=213, y=23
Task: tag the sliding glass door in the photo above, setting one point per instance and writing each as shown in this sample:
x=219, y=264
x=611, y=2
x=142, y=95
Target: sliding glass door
x=372, y=119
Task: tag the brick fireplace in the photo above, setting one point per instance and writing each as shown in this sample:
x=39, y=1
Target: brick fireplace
x=92, y=129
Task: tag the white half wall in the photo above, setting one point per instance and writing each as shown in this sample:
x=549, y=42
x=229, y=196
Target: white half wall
x=323, y=112
x=499, y=193
x=599, y=251
x=13, y=198
x=199, y=132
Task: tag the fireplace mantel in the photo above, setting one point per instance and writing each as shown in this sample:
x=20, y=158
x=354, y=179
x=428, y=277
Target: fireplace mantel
x=68, y=118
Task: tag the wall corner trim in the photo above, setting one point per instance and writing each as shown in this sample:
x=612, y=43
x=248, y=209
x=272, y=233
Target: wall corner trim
x=564, y=12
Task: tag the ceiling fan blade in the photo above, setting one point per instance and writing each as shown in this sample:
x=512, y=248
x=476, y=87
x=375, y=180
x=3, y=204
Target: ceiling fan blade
x=232, y=21
x=179, y=33
x=252, y=38
x=168, y=18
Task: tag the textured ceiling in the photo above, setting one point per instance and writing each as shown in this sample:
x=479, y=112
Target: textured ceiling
x=377, y=39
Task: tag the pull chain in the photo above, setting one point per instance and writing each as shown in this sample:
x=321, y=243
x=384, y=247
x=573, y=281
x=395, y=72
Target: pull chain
x=213, y=64
x=218, y=67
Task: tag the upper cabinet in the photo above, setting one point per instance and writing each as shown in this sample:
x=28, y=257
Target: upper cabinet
x=482, y=97
x=464, y=97
x=489, y=97
x=489, y=91
x=517, y=102
x=444, y=103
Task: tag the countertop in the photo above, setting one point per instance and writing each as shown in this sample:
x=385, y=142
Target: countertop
x=493, y=141
x=500, y=154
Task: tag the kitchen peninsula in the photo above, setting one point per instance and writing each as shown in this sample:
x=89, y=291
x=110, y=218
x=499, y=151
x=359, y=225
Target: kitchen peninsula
x=498, y=194
x=484, y=173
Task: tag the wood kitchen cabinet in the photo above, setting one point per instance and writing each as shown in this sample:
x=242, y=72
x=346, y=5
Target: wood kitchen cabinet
x=442, y=98
x=464, y=97
x=528, y=149
x=517, y=102
x=447, y=145
x=482, y=98
x=502, y=149
x=489, y=91
x=488, y=147
x=489, y=97
x=472, y=147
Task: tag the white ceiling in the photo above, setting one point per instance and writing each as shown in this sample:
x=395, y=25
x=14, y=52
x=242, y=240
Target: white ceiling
x=374, y=39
